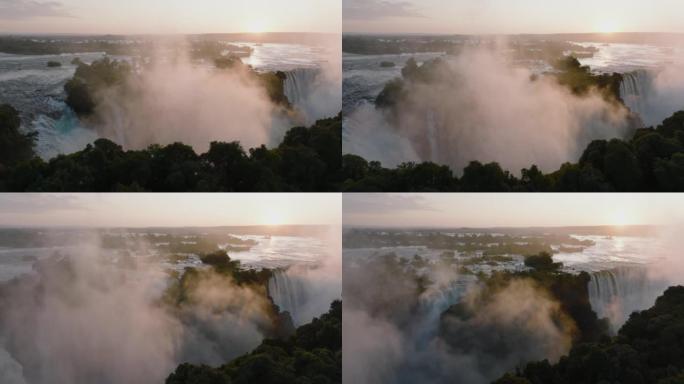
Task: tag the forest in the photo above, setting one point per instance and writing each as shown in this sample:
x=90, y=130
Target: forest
x=648, y=349
x=313, y=354
x=308, y=159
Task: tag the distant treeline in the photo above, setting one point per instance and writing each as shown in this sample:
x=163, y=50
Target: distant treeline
x=312, y=355
x=308, y=159
x=23, y=45
x=649, y=349
x=199, y=47
x=523, y=47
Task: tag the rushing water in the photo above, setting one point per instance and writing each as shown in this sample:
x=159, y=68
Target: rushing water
x=37, y=92
x=289, y=293
x=285, y=57
x=616, y=293
x=364, y=77
x=653, y=86
x=281, y=251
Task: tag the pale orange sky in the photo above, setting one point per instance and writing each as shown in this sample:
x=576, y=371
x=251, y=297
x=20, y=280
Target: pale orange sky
x=511, y=210
x=512, y=16
x=169, y=16
x=169, y=210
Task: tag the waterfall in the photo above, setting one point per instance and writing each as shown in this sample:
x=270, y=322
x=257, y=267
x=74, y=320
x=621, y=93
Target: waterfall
x=616, y=293
x=288, y=293
x=635, y=89
x=313, y=94
x=437, y=300
x=61, y=135
x=300, y=84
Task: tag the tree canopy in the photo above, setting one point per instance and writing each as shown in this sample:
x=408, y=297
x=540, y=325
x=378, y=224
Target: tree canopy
x=312, y=355
x=308, y=159
x=649, y=349
x=15, y=146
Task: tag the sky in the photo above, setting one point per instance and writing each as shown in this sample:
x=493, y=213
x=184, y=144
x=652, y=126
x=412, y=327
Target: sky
x=168, y=210
x=169, y=16
x=512, y=16
x=483, y=210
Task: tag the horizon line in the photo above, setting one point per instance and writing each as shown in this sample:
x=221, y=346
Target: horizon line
x=420, y=227
x=4, y=226
x=505, y=34
x=160, y=34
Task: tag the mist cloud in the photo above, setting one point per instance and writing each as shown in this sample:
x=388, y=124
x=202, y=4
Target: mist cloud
x=181, y=102
x=399, y=326
x=483, y=109
x=28, y=9
x=95, y=316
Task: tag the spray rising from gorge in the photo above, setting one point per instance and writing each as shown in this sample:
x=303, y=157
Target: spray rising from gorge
x=503, y=101
x=130, y=305
x=176, y=91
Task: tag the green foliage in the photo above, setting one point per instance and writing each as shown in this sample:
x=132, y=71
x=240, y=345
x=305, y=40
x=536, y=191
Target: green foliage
x=391, y=94
x=542, y=262
x=54, y=64
x=274, y=83
x=308, y=159
x=54, y=45
x=88, y=80
x=580, y=80
x=649, y=349
x=511, y=379
x=312, y=355
x=15, y=146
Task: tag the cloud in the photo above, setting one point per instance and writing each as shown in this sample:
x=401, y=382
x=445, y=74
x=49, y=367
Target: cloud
x=40, y=203
x=370, y=204
x=27, y=9
x=379, y=9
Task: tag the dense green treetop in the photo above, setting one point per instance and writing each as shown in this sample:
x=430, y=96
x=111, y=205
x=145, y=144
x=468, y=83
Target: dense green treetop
x=308, y=159
x=15, y=146
x=313, y=354
x=649, y=349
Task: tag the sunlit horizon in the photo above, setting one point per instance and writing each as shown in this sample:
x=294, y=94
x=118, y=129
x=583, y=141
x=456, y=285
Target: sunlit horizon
x=149, y=17
x=500, y=17
x=484, y=210
x=123, y=210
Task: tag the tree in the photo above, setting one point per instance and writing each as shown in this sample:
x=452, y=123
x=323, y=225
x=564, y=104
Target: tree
x=15, y=146
x=312, y=355
x=649, y=349
x=542, y=262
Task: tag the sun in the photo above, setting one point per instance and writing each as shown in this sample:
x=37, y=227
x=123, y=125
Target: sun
x=622, y=218
x=608, y=26
x=273, y=217
x=257, y=26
